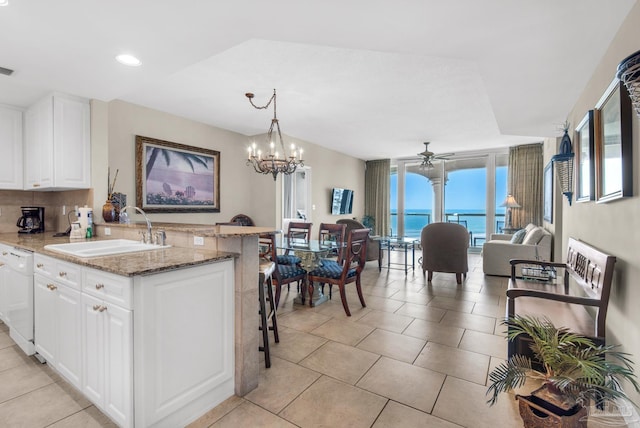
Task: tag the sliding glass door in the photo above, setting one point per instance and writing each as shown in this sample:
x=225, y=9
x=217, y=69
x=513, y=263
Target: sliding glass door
x=465, y=195
x=411, y=201
x=465, y=189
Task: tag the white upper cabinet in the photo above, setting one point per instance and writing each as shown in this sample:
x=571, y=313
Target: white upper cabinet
x=11, y=148
x=58, y=144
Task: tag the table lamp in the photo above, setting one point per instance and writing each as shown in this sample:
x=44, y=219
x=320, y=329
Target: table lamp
x=510, y=203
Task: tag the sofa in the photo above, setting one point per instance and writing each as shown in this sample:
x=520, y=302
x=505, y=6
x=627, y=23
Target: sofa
x=373, y=246
x=501, y=247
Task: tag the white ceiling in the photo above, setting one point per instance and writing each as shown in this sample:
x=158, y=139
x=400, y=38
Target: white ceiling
x=369, y=78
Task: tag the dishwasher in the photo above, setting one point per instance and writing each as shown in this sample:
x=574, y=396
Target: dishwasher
x=4, y=252
x=18, y=279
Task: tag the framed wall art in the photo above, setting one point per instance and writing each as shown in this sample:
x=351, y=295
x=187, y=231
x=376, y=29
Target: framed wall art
x=174, y=178
x=548, y=193
x=613, y=116
x=585, y=159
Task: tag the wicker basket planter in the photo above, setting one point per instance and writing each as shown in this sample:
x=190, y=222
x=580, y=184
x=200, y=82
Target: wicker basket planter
x=542, y=409
x=629, y=73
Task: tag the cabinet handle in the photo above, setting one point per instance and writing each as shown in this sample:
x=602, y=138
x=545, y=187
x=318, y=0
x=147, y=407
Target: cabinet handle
x=36, y=185
x=99, y=308
x=99, y=286
x=52, y=287
x=40, y=265
x=4, y=253
x=62, y=274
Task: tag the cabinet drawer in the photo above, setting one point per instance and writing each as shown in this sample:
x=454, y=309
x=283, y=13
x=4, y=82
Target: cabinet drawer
x=111, y=288
x=63, y=272
x=45, y=266
x=68, y=274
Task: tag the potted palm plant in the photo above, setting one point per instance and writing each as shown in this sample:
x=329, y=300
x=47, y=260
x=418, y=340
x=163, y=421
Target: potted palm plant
x=368, y=221
x=575, y=373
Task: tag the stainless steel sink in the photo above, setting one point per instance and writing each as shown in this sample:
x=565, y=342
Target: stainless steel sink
x=102, y=248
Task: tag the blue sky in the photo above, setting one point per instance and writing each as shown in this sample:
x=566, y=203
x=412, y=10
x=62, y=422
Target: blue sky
x=466, y=189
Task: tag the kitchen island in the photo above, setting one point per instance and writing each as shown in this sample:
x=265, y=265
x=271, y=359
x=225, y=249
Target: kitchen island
x=161, y=312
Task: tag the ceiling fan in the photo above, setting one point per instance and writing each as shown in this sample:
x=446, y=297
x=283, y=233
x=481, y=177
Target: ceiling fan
x=428, y=156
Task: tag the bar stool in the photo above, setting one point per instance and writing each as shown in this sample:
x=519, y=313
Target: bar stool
x=266, y=269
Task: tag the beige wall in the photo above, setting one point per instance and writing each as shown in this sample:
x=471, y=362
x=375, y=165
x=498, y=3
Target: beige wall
x=614, y=227
x=551, y=146
x=329, y=169
x=241, y=191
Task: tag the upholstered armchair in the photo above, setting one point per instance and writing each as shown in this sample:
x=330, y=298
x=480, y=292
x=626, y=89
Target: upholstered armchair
x=373, y=246
x=444, y=249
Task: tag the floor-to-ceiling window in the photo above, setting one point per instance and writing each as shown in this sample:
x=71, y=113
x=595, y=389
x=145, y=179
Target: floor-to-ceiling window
x=502, y=167
x=466, y=188
x=412, y=199
x=465, y=195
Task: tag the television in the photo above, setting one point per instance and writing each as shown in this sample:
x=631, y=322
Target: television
x=341, y=201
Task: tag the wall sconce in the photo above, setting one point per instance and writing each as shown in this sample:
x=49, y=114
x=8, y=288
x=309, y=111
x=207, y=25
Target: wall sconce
x=563, y=162
x=629, y=74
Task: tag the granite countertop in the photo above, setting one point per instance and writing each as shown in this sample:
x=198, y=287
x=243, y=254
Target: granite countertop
x=129, y=264
x=220, y=231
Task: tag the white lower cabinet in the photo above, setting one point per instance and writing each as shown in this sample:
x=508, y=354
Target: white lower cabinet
x=57, y=327
x=149, y=351
x=44, y=305
x=184, y=343
x=107, y=345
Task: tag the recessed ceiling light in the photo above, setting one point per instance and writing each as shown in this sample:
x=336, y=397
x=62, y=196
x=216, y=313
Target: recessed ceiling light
x=4, y=2
x=126, y=59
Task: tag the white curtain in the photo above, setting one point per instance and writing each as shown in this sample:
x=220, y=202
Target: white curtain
x=376, y=195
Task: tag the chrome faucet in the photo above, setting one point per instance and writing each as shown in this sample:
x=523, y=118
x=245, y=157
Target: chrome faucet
x=147, y=239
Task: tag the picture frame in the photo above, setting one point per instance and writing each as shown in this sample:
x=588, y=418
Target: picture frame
x=585, y=158
x=176, y=178
x=613, y=150
x=548, y=193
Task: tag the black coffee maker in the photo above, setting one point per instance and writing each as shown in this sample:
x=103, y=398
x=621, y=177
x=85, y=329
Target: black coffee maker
x=32, y=220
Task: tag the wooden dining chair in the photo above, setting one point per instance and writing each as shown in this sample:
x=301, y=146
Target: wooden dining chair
x=334, y=234
x=282, y=274
x=298, y=231
x=354, y=258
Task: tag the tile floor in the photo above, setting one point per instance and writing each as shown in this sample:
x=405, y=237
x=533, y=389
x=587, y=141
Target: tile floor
x=32, y=395
x=417, y=356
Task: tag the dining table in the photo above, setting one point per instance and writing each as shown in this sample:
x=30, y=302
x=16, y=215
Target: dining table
x=311, y=253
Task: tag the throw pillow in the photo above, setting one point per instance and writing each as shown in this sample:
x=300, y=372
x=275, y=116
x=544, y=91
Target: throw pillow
x=518, y=237
x=529, y=227
x=533, y=236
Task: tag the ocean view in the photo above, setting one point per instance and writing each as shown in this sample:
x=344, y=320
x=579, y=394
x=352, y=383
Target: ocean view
x=415, y=220
x=465, y=187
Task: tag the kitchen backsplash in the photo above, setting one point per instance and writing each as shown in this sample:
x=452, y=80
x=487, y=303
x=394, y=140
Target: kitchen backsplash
x=53, y=202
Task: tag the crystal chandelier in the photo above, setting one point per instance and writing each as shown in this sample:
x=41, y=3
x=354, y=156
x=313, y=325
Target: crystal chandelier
x=272, y=162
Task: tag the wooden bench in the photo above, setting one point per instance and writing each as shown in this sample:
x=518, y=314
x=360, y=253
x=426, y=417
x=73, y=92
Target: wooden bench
x=586, y=282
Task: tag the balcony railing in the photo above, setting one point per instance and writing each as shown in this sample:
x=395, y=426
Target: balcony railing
x=474, y=222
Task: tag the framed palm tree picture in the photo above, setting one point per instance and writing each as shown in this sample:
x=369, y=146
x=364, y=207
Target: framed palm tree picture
x=173, y=177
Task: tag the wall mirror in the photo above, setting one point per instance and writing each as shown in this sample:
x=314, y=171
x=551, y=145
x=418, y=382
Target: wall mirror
x=585, y=172
x=613, y=115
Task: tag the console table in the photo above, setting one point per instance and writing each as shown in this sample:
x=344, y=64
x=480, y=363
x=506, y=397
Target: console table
x=394, y=243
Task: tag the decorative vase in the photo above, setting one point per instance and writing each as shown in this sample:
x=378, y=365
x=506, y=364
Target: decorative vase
x=109, y=211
